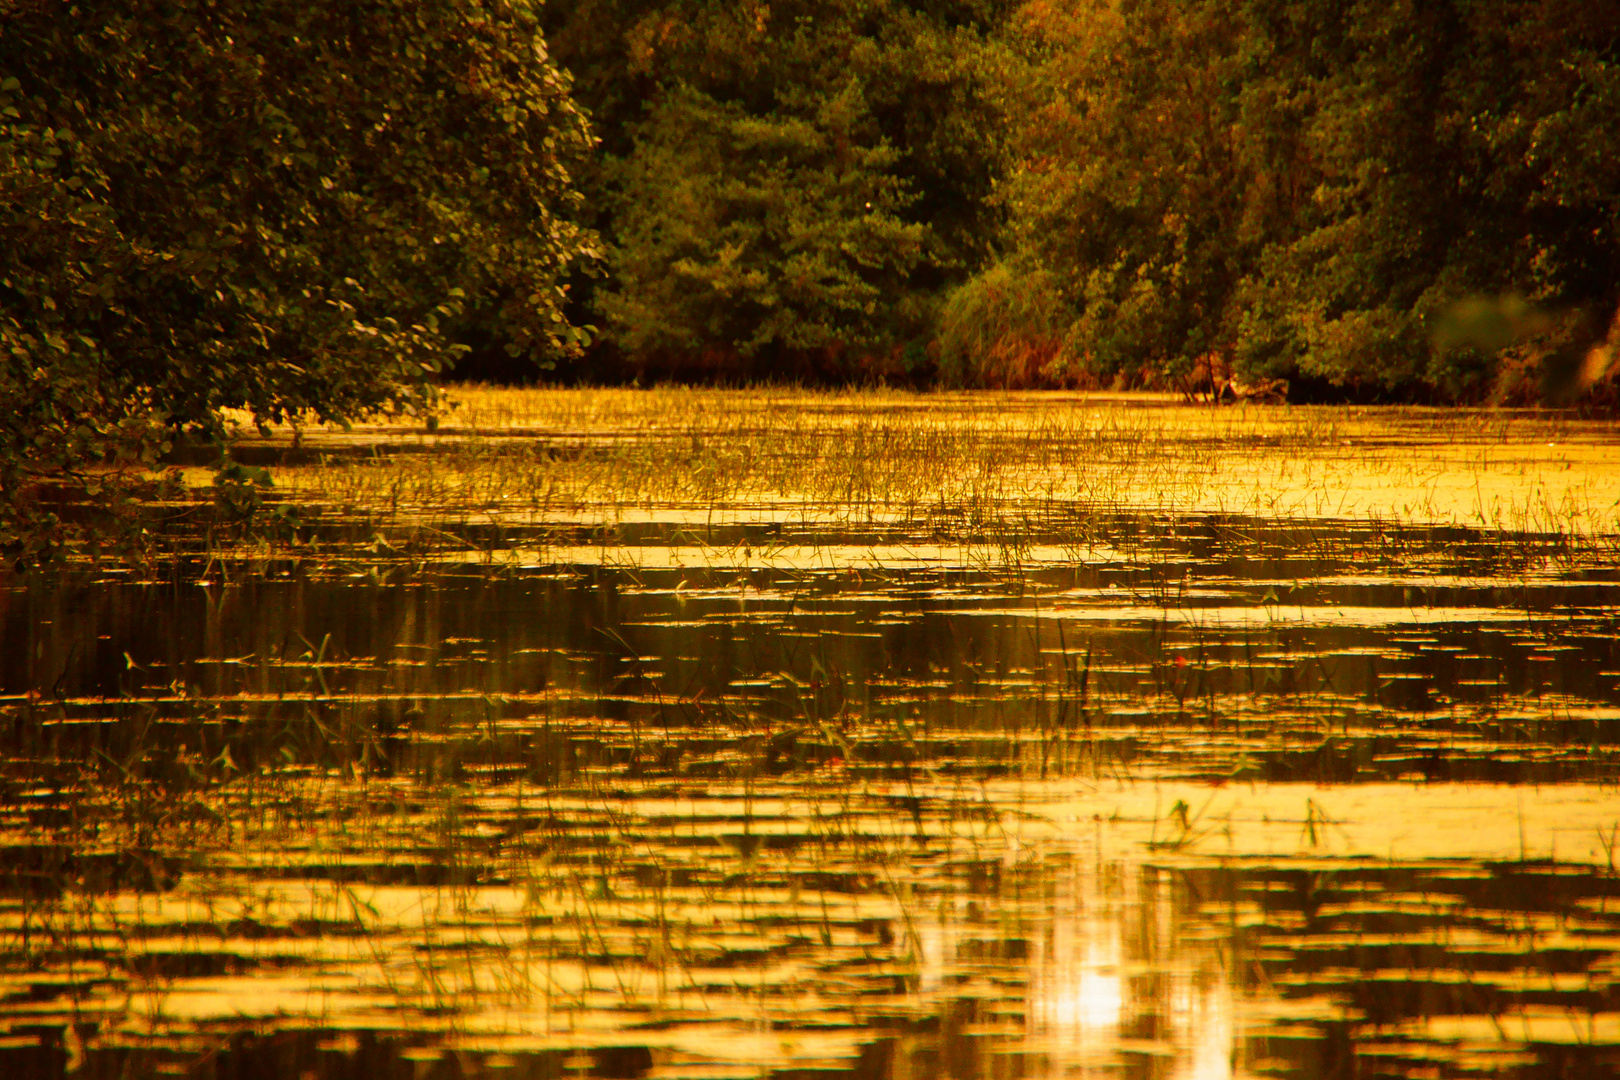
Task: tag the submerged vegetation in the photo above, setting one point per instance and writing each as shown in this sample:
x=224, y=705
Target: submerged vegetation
x=632, y=734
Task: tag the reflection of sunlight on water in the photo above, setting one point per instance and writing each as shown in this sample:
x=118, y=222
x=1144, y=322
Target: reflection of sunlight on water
x=1206, y=1015
x=1079, y=994
x=1110, y=975
x=936, y=947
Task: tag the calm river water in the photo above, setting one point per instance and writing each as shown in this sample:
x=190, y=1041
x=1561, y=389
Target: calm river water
x=1203, y=796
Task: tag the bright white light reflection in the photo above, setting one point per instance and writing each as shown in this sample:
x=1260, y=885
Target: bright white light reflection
x=1112, y=973
x=1079, y=993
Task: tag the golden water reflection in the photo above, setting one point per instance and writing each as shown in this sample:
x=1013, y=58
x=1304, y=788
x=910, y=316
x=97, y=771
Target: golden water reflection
x=1065, y=929
x=685, y=746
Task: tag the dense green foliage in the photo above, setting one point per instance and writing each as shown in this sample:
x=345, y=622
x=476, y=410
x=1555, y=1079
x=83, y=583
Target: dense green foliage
x=788, y=187
x=1078, y=191
x=272, y=206
x=1311, y=187
x=306, y=210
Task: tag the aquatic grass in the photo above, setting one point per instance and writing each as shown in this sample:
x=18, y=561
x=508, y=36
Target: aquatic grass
x=947, y=466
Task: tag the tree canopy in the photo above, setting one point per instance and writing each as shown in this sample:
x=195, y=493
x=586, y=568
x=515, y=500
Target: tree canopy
x=1312, y=187
x=787, y=187
x=273, y=206
x=1079, y=191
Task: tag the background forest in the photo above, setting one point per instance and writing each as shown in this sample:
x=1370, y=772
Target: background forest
x=318, y=210
x=1412, y=200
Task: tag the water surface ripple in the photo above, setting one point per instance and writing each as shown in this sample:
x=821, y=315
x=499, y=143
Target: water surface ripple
x=1203, y=796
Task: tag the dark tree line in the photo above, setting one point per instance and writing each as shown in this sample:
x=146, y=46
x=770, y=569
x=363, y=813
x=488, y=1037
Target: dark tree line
x=786, y=188
x=1411, y=200
x=316, y=209
x=1314, y=188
